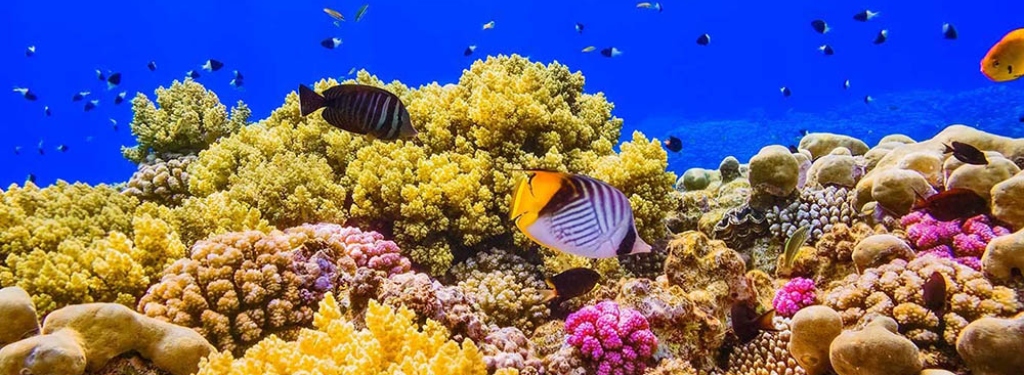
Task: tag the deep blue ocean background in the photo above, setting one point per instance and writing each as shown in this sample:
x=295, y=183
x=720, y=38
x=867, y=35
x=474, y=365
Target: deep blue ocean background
x=722, y=99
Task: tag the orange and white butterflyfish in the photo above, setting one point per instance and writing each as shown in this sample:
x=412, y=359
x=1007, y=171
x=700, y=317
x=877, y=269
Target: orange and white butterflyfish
x=1005, y=61
x=575, y=214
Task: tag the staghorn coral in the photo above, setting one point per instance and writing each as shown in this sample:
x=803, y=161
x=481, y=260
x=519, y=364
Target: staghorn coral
x=189, y=119
x=237, y=288
x=615, y=340
x=766, y=354
x=161, y=180
x=964, y=240
x=796, y=294
x=392, y=342
x=505, y=287
x=820, y=209
x=448, y=191
x=68, y=244
x=895, y=290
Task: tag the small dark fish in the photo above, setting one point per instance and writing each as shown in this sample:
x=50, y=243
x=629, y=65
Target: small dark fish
x=91, y=105
x=31, y=50
x=360, y=109
x=948, y=31
x=868, y=99
x=62, y=148
x=212, y=65
x=673, y=144
x=120, y=97
x=793, y=149
x=469, y=50
x=785, y=91
x=570, y=284
x=17, y=150
x=803, y=132
x=579, y=28
x=30, y=178
x=192, y=74
x=151, y=66
x=331, y=43
x=610, y=52
x=865, y=15
x=966, y=153
x=79, y=96
x=39, y=147
x=114, y=122
x=820, y=26
x=704, y=39
x=113, y=81
x=827, y=50
x=238, y=80
x=846, y=85
x=1021, y=119
x=882, y=36
x=746, y=324
x=25, y=92
x=100, y=76
x=361, y=12
x=46, y=111
x=935, y=293
x=952, y=204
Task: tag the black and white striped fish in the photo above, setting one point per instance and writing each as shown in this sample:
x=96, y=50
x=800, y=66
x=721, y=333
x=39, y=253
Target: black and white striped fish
x=576, y=214
x=360, y=109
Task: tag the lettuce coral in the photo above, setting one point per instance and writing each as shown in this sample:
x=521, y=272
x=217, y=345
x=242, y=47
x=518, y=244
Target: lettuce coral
x=189, y=119
x=68, y=244
x=448, y=191
x=391, y=343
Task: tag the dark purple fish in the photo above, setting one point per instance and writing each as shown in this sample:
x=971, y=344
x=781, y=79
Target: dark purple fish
x=113, y=81
x=747, y=324
x=967, y=153
x=673, y=144
x=704, y=39
x=360, y=109
x=935, y=293
x=952, y=204
x=570, y=284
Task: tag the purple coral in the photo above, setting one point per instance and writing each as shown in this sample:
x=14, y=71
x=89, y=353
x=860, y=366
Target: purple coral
x=795, y=295
x=617, y=339
x=964, y=240
x=368, y=249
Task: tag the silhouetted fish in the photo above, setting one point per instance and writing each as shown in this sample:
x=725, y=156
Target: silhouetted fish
x=212, y=65
x=967, y=153
x=469, y=50
x=79, y=96
x=31, y=50
x=882, y=36
x=120, y=97
x=331, y=43
x=704, y=39
x=113, y=81
x=570, y=284
x=360, y=109
x=785, y=91
x=192, y=74
x=827, y=50
x=610, y=52
x=62, y=148
x=948, y=31
x=26, y=93
x=91, y=105
x=820, y=26
x=151, y=65
x=846, y=85
x=952, y=204
x=673, y=144
x=238, y=81
x=746, y=324
x=46, y=111
x=865, y=15
x=935, y=293
x=100, y=76
x=793, y=149
x=579, y=28
x=30, y=178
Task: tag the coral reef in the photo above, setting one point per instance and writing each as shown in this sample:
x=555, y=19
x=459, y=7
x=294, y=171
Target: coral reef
x=189, y=119
x=820, y=209
x=698, y=263
x=796, y=294
x=429, y=299
x=392, y=342
x=992, y=346
x=18, y=314
x=966, y=240
x=1004, y=256
x=821, y=144
x=813, y=330
x=773, y=172
x=505, y=287
x=856, y=352
x=161, y=180
x=1008, y=201
x=766, y=354
x=615, y=340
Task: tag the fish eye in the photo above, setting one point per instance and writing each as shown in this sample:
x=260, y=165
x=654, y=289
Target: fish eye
x=995, y=63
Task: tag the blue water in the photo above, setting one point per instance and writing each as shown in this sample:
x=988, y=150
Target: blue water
x=722, y=99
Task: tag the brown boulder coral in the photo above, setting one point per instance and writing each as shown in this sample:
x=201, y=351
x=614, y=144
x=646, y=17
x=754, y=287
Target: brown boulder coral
x=993, y=346
x=814, y=328
x=697, y=263
x=875, y=349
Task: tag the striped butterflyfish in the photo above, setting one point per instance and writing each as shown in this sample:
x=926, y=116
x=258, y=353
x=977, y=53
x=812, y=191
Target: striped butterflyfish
x=575, y=214
x=360, y=109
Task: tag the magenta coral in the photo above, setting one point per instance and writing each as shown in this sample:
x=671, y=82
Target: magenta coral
x=964, y=240
x=617, y=339
x=795, y=295
x=367, y=249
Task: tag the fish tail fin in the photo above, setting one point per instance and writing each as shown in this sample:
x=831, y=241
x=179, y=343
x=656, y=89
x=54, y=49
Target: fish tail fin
x=309, y=100
x=547, y=295
x=948, y=149
x=766, y=321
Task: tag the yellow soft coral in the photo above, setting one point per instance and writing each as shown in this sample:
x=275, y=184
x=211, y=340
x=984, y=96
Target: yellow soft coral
x=75, y=243
x=189, y=119
x=446, y=192
x=391, y=343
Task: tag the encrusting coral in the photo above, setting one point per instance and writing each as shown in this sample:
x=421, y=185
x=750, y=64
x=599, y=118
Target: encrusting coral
x=189, y=119
x=449, y=190
x=67, y=244
x=391, y=343
x=698, y=263
x=506, y=287
x=237, y=288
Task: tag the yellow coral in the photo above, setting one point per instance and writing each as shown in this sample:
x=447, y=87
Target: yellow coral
x=189, y=119
x=200, y=217
x=391, y=343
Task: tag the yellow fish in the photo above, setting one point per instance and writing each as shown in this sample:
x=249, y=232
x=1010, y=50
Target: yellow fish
x=589, y=49
x=489, y=25
x=1005, y=61
x=575, y=214
x=334, y=14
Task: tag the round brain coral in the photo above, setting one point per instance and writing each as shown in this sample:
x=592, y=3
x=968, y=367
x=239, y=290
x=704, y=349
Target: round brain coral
x=239, y=287
x=446, y=192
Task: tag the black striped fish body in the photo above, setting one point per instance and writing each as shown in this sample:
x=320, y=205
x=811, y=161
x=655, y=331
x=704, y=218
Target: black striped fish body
x=576, y=214
x=360, y=109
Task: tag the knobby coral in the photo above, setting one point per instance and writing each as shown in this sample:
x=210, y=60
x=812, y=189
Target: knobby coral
x=795, y=295
x=963, y=239
x=391, y=343
x=506, y=287
x=616, y=340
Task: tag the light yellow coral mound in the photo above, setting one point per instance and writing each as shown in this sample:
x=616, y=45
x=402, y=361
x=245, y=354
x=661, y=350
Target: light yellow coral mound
x=67, y=244
x=391, y=343
x=447, y=191
x=189, y=119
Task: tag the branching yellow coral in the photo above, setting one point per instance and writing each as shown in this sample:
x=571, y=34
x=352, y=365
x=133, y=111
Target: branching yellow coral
x=447, y=192
x=391, y=343
x=70, y=244
x=188, y=120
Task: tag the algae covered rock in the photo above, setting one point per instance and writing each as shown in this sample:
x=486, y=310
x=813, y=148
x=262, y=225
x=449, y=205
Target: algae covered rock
x=695, y=179
x=993, y=346
x=814, y=328
x=837, y=168
x=696, y=262
x=875, y=349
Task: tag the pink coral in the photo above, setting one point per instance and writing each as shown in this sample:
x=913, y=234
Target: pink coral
x=368, y=249
x=964, y=240
x=616, y=339
x=795, y=295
